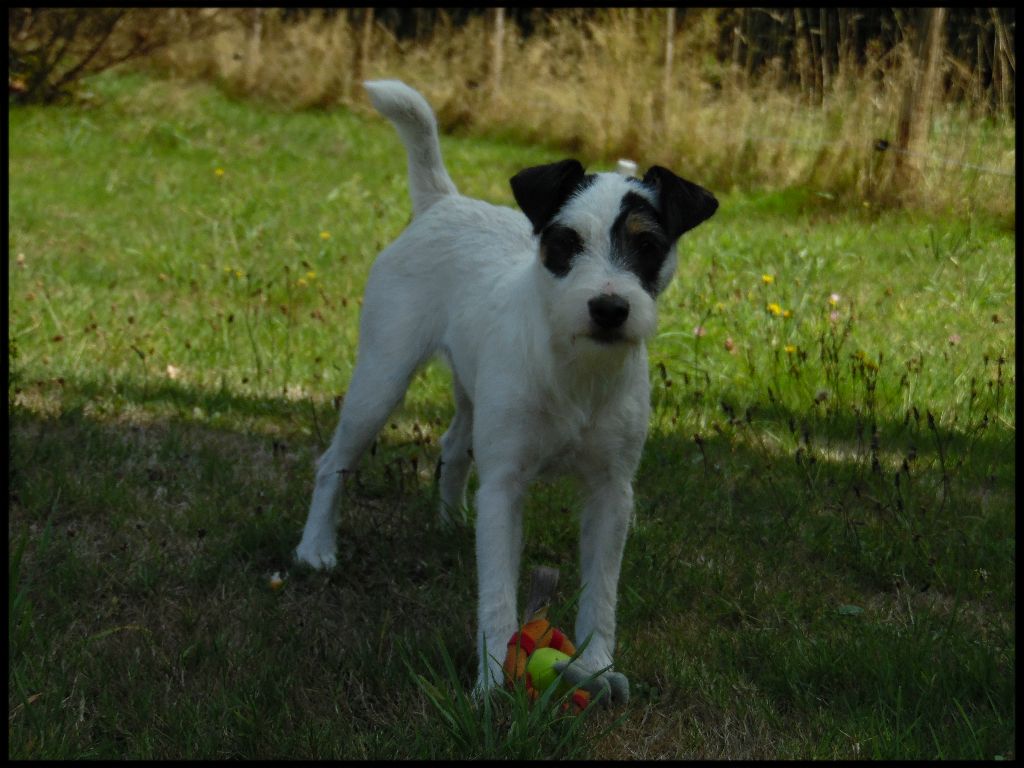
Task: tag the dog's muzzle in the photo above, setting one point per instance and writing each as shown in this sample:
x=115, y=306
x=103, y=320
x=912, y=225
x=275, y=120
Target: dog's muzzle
x=608, y=313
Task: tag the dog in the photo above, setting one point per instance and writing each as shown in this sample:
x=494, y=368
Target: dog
x=543, y=316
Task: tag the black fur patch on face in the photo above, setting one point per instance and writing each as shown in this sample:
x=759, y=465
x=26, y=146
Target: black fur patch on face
x=559, y=245
x=639, y=241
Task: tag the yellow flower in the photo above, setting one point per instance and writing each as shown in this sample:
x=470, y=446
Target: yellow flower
x=311, y=275
x=301, y=283
x=767, y=279
x=774, y=308
x=218, y=171
x=790, y=349
x=239, y=274
x=325, y=235
x=787, y=313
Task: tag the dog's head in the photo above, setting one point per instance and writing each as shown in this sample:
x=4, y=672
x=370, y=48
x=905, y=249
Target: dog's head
x=607, y=244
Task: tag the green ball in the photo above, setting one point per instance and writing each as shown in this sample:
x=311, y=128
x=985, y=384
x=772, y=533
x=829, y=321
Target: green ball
x=541, y=666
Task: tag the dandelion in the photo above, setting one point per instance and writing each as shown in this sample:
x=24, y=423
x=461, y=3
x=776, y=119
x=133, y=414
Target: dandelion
x=767, y=279
x=311, y=275
x=790, y=349
x=325, y=235
x=239, y=274
x=833, y=299
x=218, y=172
x=774, y=309
x=699, y=331
x=787, y=313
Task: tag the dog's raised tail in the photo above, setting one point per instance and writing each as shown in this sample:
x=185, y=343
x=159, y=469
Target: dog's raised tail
x=414, y=119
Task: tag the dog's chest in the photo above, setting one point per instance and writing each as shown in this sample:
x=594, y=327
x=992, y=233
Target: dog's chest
x=584, y=442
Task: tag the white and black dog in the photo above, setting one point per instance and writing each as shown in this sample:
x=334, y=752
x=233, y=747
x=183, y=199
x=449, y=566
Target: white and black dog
x=543, y=319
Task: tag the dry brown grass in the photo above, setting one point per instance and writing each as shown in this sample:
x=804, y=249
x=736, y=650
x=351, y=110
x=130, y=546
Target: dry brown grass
x=597, y=86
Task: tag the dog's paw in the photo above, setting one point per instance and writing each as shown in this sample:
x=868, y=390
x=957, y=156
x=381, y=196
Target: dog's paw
x=315, y=558
x=481, y=691
x=612, y=687
x=489, y=678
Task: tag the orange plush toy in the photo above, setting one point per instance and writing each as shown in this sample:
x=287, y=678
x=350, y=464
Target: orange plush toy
x=535, y=634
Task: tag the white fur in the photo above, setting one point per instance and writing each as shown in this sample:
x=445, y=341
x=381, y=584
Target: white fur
x=534, y=392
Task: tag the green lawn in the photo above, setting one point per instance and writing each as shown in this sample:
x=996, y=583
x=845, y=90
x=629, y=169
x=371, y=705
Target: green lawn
x=823, y=559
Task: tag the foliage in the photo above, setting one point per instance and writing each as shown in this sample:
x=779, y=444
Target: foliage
x=748, y=99
x=51, y=49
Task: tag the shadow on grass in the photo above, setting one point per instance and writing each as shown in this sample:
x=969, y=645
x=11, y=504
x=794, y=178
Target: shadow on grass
x=149, y=543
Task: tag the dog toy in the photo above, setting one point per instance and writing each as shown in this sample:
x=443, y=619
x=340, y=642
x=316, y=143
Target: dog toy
x=540, y=666
x=538, y=652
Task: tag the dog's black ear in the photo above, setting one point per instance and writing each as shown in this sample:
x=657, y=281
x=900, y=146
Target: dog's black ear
x=683, y=204
x=543, y=189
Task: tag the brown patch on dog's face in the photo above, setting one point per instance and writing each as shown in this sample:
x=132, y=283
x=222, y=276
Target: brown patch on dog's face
x=637, y=223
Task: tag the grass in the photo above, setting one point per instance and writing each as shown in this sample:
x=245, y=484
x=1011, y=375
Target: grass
x=823, y=560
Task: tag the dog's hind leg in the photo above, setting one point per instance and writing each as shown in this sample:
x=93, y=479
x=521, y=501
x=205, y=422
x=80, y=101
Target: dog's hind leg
x=456, y=455
x=378, y=385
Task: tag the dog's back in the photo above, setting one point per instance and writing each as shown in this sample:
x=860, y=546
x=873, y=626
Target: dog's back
x=453, y=240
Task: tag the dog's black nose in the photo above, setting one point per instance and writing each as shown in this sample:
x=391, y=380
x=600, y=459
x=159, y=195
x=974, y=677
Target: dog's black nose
x=609, y=310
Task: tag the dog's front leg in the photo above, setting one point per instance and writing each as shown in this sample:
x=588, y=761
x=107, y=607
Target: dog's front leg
x=603, y=528
x=499, y=539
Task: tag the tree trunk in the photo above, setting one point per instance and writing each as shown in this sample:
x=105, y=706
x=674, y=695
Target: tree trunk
x=252, y=53
x=498, y=49
x=361, y=53
x=825, y=52
x=666, y=87
x=915, y=113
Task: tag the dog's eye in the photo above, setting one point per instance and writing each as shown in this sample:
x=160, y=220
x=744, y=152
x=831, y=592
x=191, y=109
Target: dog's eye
x=646, y=254
x=558, y=247
x=649, y=246
x=649, y=250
